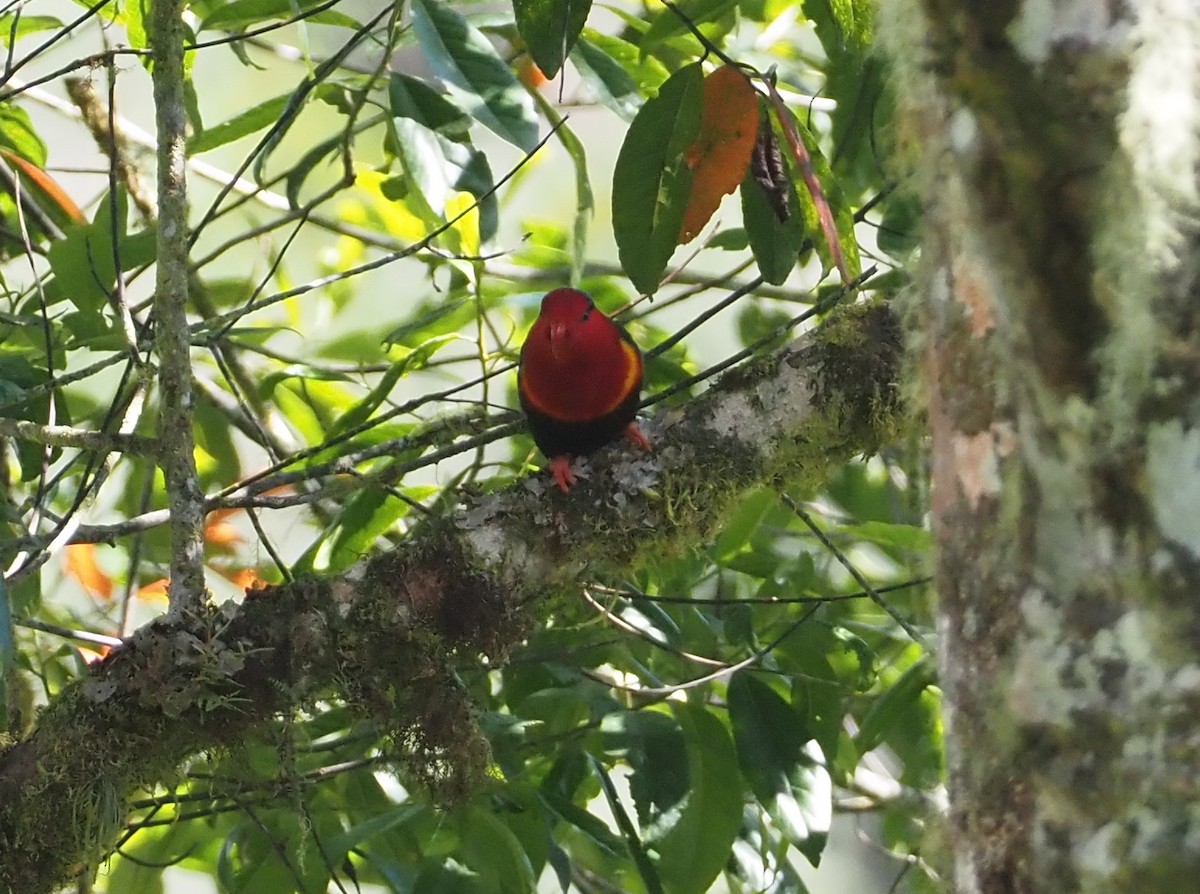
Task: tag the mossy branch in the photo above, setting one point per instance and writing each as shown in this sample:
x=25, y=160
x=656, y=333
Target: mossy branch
x=386, y=636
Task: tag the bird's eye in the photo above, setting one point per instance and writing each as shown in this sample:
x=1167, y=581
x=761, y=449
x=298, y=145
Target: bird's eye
x=587, y=313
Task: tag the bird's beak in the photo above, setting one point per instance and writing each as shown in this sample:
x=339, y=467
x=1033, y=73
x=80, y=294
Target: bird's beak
x=559, y=337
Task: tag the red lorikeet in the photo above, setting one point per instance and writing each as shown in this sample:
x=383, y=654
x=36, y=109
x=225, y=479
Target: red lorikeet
x=580, y=380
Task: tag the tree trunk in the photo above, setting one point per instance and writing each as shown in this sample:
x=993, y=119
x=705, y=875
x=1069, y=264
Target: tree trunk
x=1057, y=149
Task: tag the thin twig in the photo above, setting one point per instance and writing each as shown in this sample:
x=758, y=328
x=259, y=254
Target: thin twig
x=84, y=636
x=854, y=572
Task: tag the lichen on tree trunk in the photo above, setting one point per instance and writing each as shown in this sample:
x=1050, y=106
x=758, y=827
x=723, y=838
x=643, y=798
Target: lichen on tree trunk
x=1061, y=360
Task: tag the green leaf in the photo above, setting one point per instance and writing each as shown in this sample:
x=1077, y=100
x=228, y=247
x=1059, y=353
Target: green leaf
x=25, y=25
x=310, y=399
x=243, y=124
x=668, y=24
x=754, y=323
x=299, y=171
x=412, y=360
x=436, y=167
x=912, y=537
x=897, y=233
x=135, y=16
x=411, y=98
x=919, y=742
x=695, y=849
x=242, y=14
x=818, y=689
x=90, y=328
x=617, y=71
x=841, y=24
x=384, y=821
x=447, y=876
x=730, y=239
x=365, y=517
x=550, y=28
x=651, y=619
x=772, y=748
x=641, y=859
x=249, y=860
x=768, y=733
x=17, y=376
x=775, y=243
x=492, y=850
x=895, y=704
x=609, y=83
x=425, y=168
x=441, y=317
x=585, y=203
x=17, y=134
x=151, y=848
x=861, y=80
x=591, y=826
x=651, y=181
x=475, y=75
x=214, y=436
x=557, y=709
x=83, y=262
x=741, y=525
x=652, y=742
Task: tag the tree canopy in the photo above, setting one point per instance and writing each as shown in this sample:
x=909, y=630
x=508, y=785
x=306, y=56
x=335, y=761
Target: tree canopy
x=276, y=394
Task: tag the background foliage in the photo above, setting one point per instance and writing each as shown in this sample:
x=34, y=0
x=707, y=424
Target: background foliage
x=378, y=199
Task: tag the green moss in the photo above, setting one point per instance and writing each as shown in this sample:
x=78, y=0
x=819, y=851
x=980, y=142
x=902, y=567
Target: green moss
x=857, y=359
x=447, y=608
x=127, y=746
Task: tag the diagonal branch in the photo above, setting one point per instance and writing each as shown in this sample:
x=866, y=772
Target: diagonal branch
x=388, y=636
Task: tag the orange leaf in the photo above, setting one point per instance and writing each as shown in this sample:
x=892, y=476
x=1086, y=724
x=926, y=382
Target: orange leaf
x=721, y=154
x=91, y=656
x=529, y=73
x=81, y=564
x=245, y=578
x=221, y=533
x=155, y=591
x=46, y=184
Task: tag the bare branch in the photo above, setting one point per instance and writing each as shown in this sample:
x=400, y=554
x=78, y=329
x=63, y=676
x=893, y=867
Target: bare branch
x=170, y=310
x=66, y=436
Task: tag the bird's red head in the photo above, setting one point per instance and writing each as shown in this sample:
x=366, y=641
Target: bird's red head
x=576, y=362
x=565, y=325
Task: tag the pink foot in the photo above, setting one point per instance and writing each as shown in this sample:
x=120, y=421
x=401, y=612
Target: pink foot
x=560, y=468
x=634, y=434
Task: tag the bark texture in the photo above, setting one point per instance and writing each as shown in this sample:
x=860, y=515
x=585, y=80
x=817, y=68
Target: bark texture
x=177, y=443
x=388, y=636
x=1057, y=148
